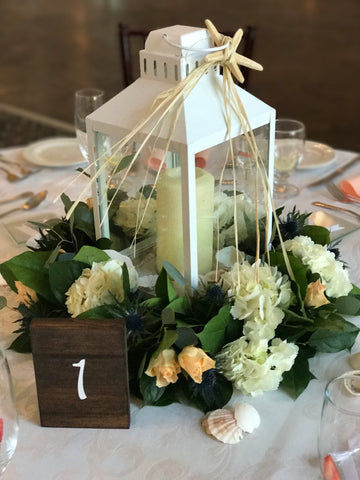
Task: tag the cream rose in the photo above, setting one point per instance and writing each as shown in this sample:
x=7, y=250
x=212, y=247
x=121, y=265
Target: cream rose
x=164, y=367
x=195, y=361
x=315, y=295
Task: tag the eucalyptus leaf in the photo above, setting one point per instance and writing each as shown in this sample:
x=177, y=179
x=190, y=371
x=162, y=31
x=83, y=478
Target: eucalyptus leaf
x=174, y=273
x=89, y=255
x=168, y=317
x=349, y=305
x=185, y=337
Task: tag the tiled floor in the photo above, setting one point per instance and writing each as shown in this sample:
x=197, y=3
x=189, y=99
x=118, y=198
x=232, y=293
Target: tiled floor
x=309, y=50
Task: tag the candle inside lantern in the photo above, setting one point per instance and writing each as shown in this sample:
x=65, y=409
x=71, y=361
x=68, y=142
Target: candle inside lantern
x=169, y=219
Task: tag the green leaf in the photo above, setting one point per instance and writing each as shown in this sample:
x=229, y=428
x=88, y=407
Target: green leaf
x=30, y=269
x=89, y=255
x=349, y=305
x=207, y=398
x=161, y=285
x=126, y=280
x=335, y=335
x=355, y=290
x=174, y=273
x=299, y=269
x=179, y=305
x=318, y=234
x=153, y=395
x=297, y=379
x=22, y=343
x=103, y=311
x=212, y=337
x=3, y=302
x=168, y=339
x=62, y=275
x=164, y=288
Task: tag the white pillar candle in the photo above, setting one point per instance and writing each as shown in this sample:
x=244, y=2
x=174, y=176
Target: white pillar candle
x=169, y=219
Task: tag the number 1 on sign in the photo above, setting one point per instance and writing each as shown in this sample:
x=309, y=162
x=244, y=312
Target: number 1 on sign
x=80, y=384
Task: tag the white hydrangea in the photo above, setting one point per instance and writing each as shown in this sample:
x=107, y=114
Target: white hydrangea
x=320, y=260
x=260, y=292
x=256, y=367
x=98, y=286
x=134, y=210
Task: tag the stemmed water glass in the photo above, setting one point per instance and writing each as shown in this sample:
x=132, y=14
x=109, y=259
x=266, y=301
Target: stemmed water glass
x=86, y=101
x=339, y=436
x=289, y=148
x=8, y=415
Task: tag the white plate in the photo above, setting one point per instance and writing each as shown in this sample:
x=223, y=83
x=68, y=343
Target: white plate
x=54, y=152
x=316, y=155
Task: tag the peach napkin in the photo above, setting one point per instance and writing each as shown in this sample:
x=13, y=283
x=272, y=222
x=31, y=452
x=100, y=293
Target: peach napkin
x=351, y=186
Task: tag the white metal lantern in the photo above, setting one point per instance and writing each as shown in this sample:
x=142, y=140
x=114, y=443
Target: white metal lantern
x=185, y=188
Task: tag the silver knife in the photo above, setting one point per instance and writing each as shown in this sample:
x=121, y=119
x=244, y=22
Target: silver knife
x=334, y=174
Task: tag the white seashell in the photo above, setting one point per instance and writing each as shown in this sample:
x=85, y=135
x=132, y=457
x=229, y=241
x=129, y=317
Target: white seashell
x=354, y=361
x=222, y=425
x=247, y=417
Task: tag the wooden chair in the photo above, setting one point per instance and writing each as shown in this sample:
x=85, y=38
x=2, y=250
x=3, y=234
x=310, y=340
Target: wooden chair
x=129, y=36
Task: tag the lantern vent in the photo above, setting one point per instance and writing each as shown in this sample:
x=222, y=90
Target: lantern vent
x=172, y=53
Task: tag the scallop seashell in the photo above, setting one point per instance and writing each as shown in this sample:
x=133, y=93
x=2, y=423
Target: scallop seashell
x=247, y=417
x=222, y=425
x=354, y=361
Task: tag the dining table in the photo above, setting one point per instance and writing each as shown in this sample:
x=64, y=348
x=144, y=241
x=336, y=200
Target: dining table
x=167, y=443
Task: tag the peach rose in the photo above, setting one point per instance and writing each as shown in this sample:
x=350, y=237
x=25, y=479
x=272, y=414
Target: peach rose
x=315, y=296
x=164, y=367
x=25, y=295
x=195, y=361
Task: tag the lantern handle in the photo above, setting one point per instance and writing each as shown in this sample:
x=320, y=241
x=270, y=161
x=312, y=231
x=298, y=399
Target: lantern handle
x=194, y=49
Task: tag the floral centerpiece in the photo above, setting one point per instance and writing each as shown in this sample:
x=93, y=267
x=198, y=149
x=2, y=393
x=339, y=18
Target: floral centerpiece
x=248, y=327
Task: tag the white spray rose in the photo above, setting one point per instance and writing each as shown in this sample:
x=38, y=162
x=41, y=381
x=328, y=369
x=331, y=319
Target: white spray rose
x=98, y=286
x=135, y=210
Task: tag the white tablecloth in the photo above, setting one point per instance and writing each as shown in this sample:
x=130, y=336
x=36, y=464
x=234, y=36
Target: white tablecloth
x=167, y=443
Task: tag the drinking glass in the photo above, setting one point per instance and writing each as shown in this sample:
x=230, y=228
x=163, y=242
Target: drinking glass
x=8, y=416
x=86, y=101
x=339, y=436
x=289, y=148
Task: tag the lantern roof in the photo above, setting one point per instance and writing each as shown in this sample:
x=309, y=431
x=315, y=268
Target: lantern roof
x=201, y=123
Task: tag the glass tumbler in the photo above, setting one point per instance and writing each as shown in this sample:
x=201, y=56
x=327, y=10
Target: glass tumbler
x=339, y=436
x=8, y=415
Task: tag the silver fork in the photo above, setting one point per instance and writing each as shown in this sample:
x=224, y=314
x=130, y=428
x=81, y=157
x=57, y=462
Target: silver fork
x=339, y=195
x=23, y=170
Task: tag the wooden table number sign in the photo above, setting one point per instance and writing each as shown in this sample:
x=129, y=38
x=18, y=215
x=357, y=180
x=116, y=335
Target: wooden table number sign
x=81, y=372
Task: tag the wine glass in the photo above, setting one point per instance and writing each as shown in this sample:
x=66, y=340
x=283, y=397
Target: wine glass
x=289, y=147
x=9, y=425
x=339, y=436
x=86, y=101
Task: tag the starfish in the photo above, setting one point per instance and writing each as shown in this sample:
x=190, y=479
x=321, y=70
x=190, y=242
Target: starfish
x=228, y=57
